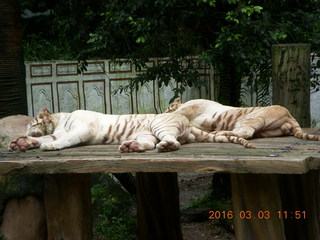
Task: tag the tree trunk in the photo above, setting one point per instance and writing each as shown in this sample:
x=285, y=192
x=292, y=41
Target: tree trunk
x=291, y=79
x=13, y=98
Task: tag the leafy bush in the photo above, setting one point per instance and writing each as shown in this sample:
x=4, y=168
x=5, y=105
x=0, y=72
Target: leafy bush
x=112, y=210
x=215, y=204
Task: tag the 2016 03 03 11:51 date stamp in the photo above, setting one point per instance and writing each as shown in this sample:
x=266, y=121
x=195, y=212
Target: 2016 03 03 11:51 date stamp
x=247, y=215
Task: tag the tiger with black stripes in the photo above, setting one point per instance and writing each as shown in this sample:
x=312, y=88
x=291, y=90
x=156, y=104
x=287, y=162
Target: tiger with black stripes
x=134, y=133
x=246, y=123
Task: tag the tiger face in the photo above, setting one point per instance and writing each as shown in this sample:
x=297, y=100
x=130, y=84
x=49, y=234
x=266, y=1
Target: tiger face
x=41, y=125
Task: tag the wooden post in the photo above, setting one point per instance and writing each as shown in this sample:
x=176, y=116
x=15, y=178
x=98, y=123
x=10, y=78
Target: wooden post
x=256, y=200
x=297, y=197
x=67, y=202
x=301, y=193
x=158, y=212
x=291, y=79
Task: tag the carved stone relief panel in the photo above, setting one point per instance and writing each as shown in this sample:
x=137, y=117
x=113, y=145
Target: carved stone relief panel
x=68, y=96
x=40, y=70
x=95, y=68
x=94, y=95
x=121, y=103
x=164, y=94
x=120, y=67
x=41, y=96
x=67, y=69
x=145, y=99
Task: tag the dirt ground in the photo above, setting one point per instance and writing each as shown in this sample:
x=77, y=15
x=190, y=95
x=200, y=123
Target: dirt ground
x=193, y=186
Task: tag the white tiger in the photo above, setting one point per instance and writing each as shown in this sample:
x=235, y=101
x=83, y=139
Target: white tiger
x=135, y=133
x=245, y=123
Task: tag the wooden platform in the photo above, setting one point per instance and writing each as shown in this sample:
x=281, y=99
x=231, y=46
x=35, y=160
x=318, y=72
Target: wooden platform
x=283, y=155
x=280, y=176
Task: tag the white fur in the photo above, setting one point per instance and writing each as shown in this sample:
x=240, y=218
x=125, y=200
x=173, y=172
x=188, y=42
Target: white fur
x=138, y=132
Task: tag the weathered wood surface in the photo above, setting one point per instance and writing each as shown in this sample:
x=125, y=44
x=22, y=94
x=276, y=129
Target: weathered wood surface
x=272, y=155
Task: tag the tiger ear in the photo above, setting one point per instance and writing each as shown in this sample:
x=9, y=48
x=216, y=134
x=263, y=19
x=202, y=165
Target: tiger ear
x=178, y=100
x=174, y=105
x=43, y=112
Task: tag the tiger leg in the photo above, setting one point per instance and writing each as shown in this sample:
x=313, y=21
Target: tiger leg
x=284, y=130
x=170, y=129
x=27, y=142
x=248, y=127
x=168, y=145
x=78, y=135
x=245, y=129
x=268, y=121
x=143, y=142
x=23, y=143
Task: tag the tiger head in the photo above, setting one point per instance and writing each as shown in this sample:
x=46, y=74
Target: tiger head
x=174, y=105
x=41, y=125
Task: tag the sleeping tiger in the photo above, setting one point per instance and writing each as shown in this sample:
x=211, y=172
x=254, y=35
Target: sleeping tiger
x=135, y=133
x=221, y=120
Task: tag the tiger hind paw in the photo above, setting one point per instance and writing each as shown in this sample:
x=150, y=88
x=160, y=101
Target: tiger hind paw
x=131, y=146
x=167, y=146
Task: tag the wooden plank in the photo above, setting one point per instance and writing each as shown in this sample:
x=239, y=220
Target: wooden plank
x=273, y=155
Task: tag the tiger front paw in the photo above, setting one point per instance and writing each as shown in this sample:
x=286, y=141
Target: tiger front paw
x=168, y=146
x=22, y=144
x=131, y=146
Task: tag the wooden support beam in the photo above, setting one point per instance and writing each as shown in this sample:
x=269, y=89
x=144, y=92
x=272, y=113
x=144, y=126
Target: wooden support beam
x=158, y=206
x=301, y=200
x=67, y=201
x=291, y=201
x=256, y=201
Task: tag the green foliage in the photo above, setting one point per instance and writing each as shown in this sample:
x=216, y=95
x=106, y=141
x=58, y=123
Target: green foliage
x=215, y=204
x=234, y=35
x=182, y=71
x=62, y=32
x=112, y=210
x=208, y=201
x=313, y=123
x=37, y=49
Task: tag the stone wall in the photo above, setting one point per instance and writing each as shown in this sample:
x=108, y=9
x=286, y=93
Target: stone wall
x=58, y=86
